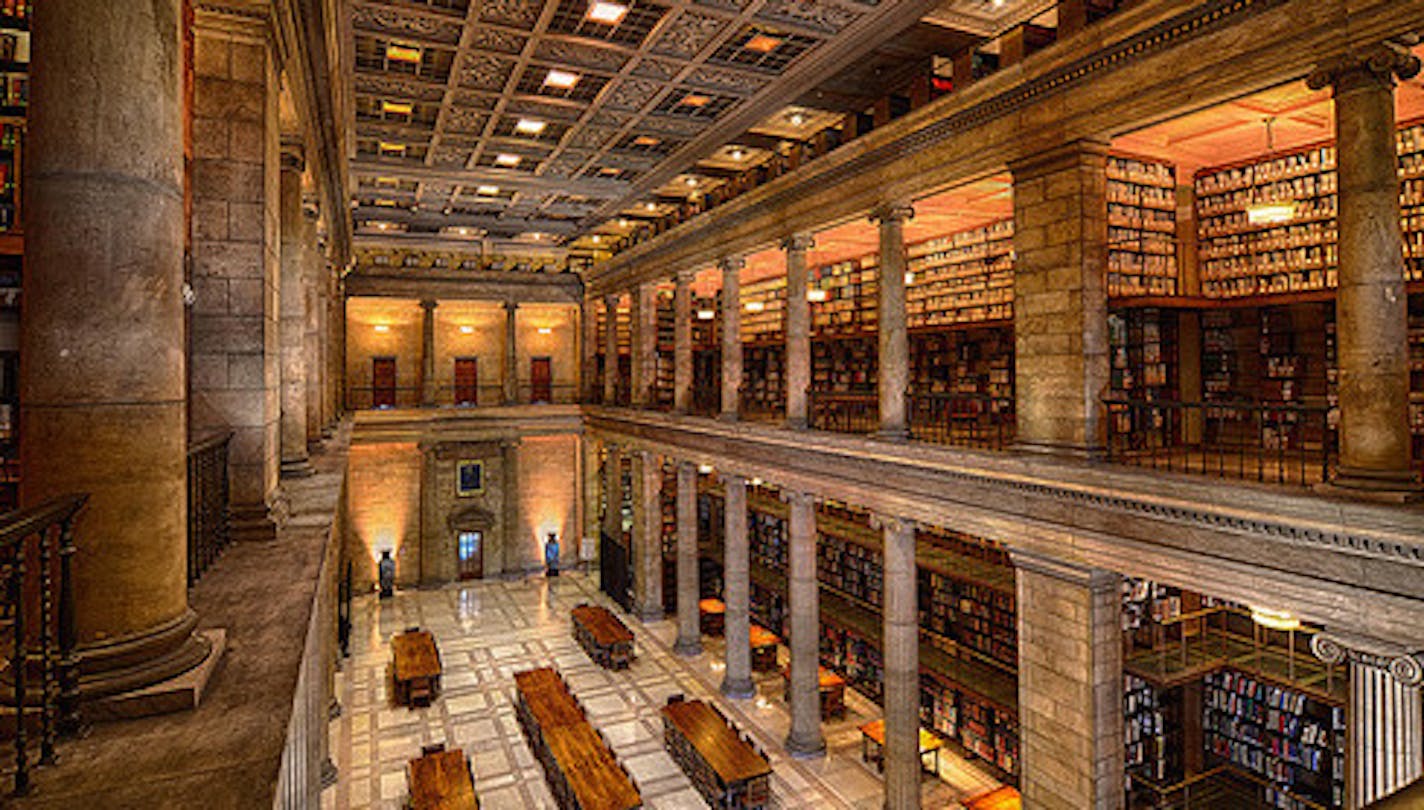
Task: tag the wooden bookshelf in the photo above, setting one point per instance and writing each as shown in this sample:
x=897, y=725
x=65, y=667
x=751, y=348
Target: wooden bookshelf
x=764, y=311
x=851, y=297
x=977, y=360
x=845, y=364
x=1142, y=227
x=964, y=277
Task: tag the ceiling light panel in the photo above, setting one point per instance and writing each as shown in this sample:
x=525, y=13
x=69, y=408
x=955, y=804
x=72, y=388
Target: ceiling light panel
x=763, y=48
x=568, y=83
x=695, y=104
x=623, y=22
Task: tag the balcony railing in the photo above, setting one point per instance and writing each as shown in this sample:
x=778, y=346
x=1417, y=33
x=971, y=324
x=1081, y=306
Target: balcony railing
x=1274, y=443
x=207, y=502
x=756, y=407
x=852, y=412
x=37, y=628
x=706, y=398
x=364, y=398
x=962, y=420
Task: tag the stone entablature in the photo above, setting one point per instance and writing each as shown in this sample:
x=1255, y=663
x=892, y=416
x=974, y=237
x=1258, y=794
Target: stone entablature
x=1347, y=565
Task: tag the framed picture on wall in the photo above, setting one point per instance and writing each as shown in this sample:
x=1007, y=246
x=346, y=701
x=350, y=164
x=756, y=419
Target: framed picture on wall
x=469, y=478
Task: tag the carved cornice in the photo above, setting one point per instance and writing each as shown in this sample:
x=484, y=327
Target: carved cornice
x=798, y=243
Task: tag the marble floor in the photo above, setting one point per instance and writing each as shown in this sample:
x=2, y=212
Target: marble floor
x=488, y=630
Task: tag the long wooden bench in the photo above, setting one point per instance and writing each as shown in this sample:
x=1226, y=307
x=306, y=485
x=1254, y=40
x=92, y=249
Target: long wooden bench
x=582, y=772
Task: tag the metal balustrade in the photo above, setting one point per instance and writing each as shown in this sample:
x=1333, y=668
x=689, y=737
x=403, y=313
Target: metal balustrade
x=208, y=502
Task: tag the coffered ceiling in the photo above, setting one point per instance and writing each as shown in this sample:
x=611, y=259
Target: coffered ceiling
x=537, y=121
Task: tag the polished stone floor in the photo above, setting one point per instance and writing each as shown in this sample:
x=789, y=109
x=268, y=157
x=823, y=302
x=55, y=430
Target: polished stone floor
x=489, y=630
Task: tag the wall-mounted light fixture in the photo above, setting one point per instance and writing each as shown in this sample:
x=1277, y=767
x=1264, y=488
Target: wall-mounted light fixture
x=1274, y=619
x=381, y=327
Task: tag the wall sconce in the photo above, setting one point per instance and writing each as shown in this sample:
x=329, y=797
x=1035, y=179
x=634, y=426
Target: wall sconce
x=544, y=330
x=705, y=469
x=705, y=314
x=467, y=330
x=1274, y=619
x=381, y=327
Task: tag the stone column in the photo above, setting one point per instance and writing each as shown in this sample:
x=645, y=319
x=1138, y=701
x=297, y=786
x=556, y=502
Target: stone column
x=513, y=530
x=736, y=578
x=1385, y=738
x=731, y=336
x=798, y=330
x=324, y=339
x=645, y=342
x=893, y=368
x=1060, y=299
x=1371, y=304
x=682, y=342
x=511, y=353
x=1070, y=684
x=647, y=536
x=689, y=591
x=235, y=330
x=613, y=492
x=591, y=484
x=610, y=349
x=295, y=461
x=311, y=336
x=429, y=386
x=588, y=320
x=805, y=738
x=102, y=352
x=902, y=666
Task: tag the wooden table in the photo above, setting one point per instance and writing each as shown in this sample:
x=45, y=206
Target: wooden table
x=416, y=667
x=581, y=770
x=713, y=613
x=725, y=767
x=872, y=746
x=763, y=649
x=1003, y=798
x=546, y=700
x=441, y=781
x=603, y=636
x=832, y=689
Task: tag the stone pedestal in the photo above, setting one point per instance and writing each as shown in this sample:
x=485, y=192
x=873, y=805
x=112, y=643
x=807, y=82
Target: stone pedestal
x=102, y=351
x=805, y=738
x=689, y=619
x=798, y=330
x=1371, y=305
x=511, y=353
x=610, y=349
x=1070, y=685
x=647, y=536
x=1385, y=737
x=682, y=343
x=236, y=354
x=902, y=667
x=731, y=337
x=893, y=369
x=1060, y=299
x=295, y=462
x=736, y=579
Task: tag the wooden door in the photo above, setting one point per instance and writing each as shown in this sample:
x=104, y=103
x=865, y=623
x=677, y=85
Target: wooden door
x=541, y=379
x=470, y=551
x=467, y=380
x=383, y=382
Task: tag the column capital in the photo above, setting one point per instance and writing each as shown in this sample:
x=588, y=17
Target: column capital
x=886, y=213
x=511, y=305
x=893, y=523
x=683, y=278
x=798, y=242
x=429, y=304
x=1089, y=577
x=731, y=264
x=793, y=497
x=293, y=156
x=1377, y=65
x=611, y=300
x=684, y=466
x=1404, y=664
x=733, y=478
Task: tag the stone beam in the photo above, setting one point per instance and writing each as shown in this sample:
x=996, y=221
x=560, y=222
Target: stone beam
x=467, y=285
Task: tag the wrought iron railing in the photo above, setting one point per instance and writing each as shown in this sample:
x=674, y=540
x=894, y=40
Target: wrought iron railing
x=1283, y=443
x=207, y=502
x=37, y=624
x=363, y=398
x=758, y=406
x=706, y=398
x=963, y=420
x=844, y=412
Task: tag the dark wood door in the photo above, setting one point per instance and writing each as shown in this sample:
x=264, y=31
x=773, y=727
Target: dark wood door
x=467, y=380
x=470, y=549
x=541, y=379
x=383, y=382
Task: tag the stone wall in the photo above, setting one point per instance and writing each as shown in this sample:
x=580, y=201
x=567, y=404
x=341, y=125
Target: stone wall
x=401, y=338
x=560, y=345
x=484, y=342
x=383, y=506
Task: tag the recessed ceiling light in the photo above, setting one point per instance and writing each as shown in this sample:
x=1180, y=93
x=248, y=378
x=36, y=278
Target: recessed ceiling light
x=397, y=107
x=646, y=140
x=402, y=53
x=737, y=153
x=652, y=206
x=487, y=191
x=396, y=149
x=609, y=171
x=797, y=119
x=562, y=79
x=695, y=100
x=597, y=239
x=529, y=126
x=763, y=43
x=622, y=223
x=386, y=202
x=506, y=159
x=608, y=13
x=691, y=181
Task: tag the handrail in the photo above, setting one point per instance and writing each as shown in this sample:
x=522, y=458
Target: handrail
x=17, y=525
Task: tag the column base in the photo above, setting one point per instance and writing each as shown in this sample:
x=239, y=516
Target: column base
x=796, y=423
x=648, y=615
x=329, y=773
x=687, y=647
x=728, y=416
x=298, y=468
x=895, y=434
x=140, y=660
x=1387, y=486
x=182, y=691
x=256, y=522
x=805, y=746
x=738, y=689
x=1092, y=452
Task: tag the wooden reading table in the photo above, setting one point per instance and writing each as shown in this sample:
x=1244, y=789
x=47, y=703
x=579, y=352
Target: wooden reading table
x=723, y=765
x=581, y=771
x=603, y=636
x=872, y=746
x=832, y=688
x=441, y=781
x=763, y=648
x=416, y=667
x=713, y=614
